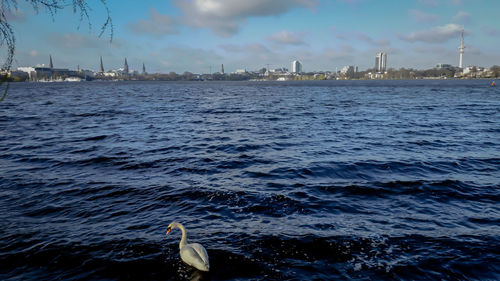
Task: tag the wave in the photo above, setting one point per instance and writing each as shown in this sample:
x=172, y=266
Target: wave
x=257, y=257
x=429, y=190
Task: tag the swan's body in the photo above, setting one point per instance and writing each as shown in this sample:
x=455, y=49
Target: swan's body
x=193, y=253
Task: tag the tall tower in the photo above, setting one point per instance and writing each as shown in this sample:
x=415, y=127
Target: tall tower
x=381, y=62
x=101, y=67
x=125, y=67
x=143, y=69
x=222, y=69
x=296, y=66
x=51, y=65
x=462, y=49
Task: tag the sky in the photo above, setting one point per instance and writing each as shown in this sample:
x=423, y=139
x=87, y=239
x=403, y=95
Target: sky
x=200, y=35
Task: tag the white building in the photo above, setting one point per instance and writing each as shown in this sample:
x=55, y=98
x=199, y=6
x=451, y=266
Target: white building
x=240, y=71
x=27, y=69
x=470, y=69
x=381, y=62
x=296, y=66
x=281, y=70
x=349, y=69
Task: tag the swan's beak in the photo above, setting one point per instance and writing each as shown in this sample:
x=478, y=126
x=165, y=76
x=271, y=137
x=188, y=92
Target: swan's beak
x=168, y=230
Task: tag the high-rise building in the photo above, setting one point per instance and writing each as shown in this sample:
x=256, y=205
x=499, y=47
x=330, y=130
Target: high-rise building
x=51, y=65
x=101, y=67
x=143, y=69
x=125, y=67
x=381, y=62
x=296, y=66
x=349, y=70
x=222, y=69
x=462, y=49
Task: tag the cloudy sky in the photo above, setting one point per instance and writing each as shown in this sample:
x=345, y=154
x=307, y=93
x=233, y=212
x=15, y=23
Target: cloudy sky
x=200, y=35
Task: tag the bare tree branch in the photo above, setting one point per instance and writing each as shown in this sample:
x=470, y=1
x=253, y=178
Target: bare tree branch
x=81, y=7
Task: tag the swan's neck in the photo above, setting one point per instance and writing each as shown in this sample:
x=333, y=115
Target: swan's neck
x=184, y=238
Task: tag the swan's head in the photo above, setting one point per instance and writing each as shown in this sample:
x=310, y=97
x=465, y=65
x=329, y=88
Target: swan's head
x=169, y=228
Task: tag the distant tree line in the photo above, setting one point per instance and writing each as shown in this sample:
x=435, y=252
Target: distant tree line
x=410, y=73
x=402, y=73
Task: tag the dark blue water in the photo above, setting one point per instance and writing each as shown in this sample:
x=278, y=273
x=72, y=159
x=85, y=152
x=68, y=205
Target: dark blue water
x=335, y=180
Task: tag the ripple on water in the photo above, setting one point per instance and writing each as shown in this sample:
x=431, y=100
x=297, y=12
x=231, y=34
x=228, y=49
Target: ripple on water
x=330, y=180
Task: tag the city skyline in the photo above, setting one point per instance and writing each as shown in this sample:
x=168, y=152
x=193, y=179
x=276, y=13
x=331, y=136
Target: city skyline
x=322, y=35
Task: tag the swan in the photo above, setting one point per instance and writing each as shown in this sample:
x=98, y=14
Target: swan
x=193, y=253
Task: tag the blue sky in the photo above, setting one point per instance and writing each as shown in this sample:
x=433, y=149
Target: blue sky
x=200, y=35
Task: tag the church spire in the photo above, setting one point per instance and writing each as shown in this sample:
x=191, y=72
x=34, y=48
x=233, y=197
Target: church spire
x=125, y=67
x=101, y=67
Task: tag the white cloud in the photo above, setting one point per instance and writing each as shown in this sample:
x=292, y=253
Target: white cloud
x=355, y=35
x=157, y=25
x=490, y=31
x=75, y=40
x=33, y=53
x=184, y=58
x=436, y=50
x=474, y=51
x=287, y=38
x=224, y=17
x=252, y=48
x=422, y=17
x=343, y=54
x=367, y=39
x=437, y=34
x=462, y=17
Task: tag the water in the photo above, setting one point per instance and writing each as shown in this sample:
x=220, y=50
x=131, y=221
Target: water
x=325, y=180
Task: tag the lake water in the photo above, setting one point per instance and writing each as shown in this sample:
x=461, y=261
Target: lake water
x=318, y=180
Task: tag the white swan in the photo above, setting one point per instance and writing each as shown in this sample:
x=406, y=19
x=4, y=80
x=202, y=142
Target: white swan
x=193, y=254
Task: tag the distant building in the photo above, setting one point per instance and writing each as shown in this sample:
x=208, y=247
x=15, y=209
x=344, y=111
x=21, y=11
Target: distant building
x=43, y=73
x=18, y=75
x=125, y=67
x=222, y=69
x=296, y=66
x=111, y=73
x=444, y=66
x=349, y=70
x=51, y=65
x=29, y=70
x=240, y=71
x=87, y=74
x=26, y=69
x=381, y=62
x=473, y=69
x=461, y=51
x=283, y=78
x=280, y=70
x=101, y=67
x=143, y=69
